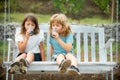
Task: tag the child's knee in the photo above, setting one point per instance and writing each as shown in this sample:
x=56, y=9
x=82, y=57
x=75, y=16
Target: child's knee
x=30, y=53
x=61, y=55
x=24, y=55
x=69, y=54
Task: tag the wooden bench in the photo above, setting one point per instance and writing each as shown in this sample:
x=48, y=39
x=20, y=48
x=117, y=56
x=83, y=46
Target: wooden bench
x=94, y=56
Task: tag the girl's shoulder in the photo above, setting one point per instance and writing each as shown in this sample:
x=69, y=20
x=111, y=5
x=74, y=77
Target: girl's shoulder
x=18, y=34
x=40, y=32
x=70, y=34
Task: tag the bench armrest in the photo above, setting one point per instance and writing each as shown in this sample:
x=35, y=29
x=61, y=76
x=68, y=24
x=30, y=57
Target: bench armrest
x=109, y=43
x=11, y=45
x=9, y=48
x=108, y=48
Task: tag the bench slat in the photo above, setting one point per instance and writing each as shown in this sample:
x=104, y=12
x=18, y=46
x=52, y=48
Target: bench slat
x=48, y=48
x=85, y=47
x=78, y=40
x=102, y=54
x=93, y=47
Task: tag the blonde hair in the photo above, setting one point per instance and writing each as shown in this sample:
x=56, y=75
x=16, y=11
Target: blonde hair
x=61, y=19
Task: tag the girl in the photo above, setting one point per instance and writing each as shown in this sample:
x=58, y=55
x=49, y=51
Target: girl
x=30, y=44
x=61, y=41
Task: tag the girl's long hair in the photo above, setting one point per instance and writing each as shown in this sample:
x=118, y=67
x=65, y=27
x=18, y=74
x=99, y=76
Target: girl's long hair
x=31, y=17
x=61, y=19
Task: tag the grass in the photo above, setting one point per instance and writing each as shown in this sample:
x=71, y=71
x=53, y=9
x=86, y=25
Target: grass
x=95, y=20
x=18, y=17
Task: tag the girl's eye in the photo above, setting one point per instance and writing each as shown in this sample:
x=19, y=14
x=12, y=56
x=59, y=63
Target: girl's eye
x=28, y=24
x=57, y=25
x=53, y=25
x=33, y=24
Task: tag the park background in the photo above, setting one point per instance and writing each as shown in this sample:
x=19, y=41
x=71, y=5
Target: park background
x=87, y=12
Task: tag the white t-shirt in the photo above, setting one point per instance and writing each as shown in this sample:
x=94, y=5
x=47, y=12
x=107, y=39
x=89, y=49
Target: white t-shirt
x=33, y=42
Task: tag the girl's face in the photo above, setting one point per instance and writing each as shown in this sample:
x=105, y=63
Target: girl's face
x=57, y=27
x=29, y=24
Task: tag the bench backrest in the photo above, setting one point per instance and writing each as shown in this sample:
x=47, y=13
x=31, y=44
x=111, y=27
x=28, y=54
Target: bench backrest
x=89, y=43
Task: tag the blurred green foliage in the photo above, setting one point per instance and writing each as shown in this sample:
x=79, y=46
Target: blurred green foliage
x=103, y=4
x=76, y=9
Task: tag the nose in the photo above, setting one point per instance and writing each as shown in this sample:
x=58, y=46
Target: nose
x=30, y=25
x=53, y=27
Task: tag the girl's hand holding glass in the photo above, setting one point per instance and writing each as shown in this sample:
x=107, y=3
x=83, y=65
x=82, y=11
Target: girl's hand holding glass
x=53, y=32
x=30, y=30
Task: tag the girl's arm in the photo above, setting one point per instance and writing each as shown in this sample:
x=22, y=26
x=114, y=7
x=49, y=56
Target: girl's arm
x=22, y=45
x=51, y=50
x=66, y=46
x=42, y=50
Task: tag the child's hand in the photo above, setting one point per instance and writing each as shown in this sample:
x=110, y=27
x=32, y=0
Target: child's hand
x=27, y=34
x=55, y=35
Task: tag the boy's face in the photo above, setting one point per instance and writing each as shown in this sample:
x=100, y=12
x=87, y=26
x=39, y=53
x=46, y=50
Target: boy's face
x=57, y=27
x=29, y=24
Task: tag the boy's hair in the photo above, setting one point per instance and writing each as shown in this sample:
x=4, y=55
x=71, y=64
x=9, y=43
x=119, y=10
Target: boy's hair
x=33, y=18
x=61, y=19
